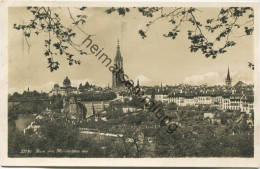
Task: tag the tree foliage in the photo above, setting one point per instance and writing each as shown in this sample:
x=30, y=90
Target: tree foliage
x=228, y=21
x=59, y=39
x=211, y=37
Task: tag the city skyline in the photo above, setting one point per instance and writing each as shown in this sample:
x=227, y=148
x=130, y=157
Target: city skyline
x=141, y=59
x=78, y=83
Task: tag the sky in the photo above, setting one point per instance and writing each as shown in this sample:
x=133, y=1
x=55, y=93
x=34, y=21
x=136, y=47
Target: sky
x=153, y=60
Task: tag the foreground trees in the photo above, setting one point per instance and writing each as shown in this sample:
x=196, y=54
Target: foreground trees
x=188, y=144
x=182, y=143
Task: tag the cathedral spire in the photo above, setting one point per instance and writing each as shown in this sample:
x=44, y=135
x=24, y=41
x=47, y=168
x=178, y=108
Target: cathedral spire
x=228, y=75
x=118, y=59
x=118, y=45
x=228, y=78
x=118, y=63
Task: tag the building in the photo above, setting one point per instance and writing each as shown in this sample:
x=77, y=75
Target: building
x=228, y=79
x=161, y=97
x=73, y=109
x=94, y=107
x=247, y=104
x=235, y=101
x=204, y=100
x=64, y=90
x=240, y=103
x=128, y=109
x=208, y=115
x=118, y=64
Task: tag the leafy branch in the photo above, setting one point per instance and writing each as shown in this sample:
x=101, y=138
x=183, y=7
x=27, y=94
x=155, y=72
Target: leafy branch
x=211, y=37
x=228, y=21
x=59, y=37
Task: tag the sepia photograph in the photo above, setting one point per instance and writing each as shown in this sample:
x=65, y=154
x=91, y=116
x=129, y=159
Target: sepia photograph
x=132, y=82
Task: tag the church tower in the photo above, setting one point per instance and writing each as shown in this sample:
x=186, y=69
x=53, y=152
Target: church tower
x=66, y=82
x=228, y=79
x=118, y=63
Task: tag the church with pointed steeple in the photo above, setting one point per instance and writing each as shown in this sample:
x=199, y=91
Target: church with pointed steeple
x=118, y=63
x=228, y=79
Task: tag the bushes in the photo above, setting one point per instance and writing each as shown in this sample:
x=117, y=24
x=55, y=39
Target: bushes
x=185, y=144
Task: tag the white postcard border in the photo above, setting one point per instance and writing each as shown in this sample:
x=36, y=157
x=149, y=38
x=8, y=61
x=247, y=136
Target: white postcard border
x=119, y=162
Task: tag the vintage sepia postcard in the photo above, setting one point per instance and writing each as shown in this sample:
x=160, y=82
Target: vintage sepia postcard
x=107, y=84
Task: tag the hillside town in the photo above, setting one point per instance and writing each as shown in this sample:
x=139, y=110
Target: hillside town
x=94, y=121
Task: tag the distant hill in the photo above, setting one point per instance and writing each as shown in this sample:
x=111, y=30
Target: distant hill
x=240, y=84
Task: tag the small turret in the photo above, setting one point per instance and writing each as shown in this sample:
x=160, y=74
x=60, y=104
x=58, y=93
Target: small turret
x=66, y=82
